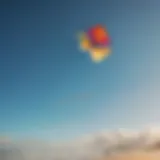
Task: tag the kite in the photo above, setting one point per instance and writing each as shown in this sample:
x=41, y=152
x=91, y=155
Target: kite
x=96, y=42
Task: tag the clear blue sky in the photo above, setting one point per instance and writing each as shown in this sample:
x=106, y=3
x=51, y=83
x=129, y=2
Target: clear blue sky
x=49, y=89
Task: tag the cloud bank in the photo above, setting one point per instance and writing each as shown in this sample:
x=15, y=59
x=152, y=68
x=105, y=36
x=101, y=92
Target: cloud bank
x=86, y=148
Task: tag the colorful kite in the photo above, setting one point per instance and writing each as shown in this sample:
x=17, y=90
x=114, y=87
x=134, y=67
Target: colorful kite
x=96, y=42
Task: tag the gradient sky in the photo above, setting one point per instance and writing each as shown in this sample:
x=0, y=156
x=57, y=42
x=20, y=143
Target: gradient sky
x=49, y=89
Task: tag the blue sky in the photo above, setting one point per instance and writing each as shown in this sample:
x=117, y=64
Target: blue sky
x=49, y=89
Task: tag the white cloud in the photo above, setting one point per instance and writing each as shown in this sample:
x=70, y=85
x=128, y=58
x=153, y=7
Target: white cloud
x=86, y=148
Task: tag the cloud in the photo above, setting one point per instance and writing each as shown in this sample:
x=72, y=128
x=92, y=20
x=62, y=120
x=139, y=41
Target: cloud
x=86, y=148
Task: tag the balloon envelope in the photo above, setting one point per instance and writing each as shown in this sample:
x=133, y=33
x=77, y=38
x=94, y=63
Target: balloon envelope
x=98, y=36
x=96, y=42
